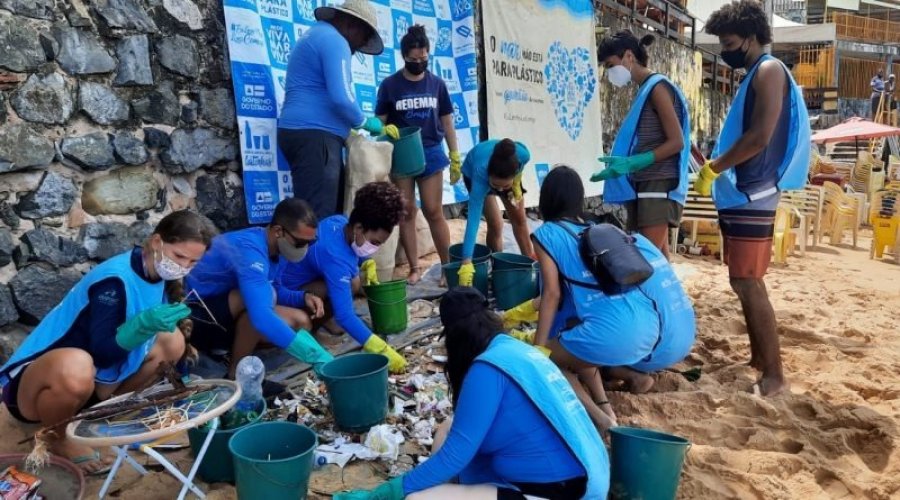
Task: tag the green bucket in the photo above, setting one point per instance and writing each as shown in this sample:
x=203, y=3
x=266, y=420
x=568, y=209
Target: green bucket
x=480, y=254
x=514, y=279
x=273, y=460
x=357, y=390
x=645, y=464
x=387, y=306
x=408, y=159
x=217, y=465
x=451, y=270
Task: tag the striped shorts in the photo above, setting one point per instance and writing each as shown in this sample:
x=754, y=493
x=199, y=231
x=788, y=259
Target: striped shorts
x=747, y=232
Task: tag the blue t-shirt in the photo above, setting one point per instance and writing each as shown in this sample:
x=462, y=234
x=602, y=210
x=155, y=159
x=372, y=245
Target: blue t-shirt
x=318, y=90
x=415, y=104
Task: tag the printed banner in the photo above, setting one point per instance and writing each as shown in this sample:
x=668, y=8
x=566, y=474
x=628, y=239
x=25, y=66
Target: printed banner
x=261, y=34
x=541, y=71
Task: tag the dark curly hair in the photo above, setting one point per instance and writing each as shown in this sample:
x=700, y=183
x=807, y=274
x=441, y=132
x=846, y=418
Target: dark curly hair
x=415, y=38
x=617, y=44
x=504, y=160
x=742, y=18
x=378, y=205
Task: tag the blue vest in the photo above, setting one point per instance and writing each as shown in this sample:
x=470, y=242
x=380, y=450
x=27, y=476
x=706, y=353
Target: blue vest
x=619, y=189
x=678, y=325
x=794, y=169
x=551, y=393
x=139, y=296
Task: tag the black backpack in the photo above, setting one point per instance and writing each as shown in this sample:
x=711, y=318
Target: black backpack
x=611, y=255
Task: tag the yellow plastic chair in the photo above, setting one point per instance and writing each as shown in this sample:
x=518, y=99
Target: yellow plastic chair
x=784, y=238
x=841, y=212
x=884, y=216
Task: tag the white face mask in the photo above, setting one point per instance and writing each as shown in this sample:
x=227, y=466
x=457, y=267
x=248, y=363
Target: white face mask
x=291, y=253
x=618, y=75
x=168, y=269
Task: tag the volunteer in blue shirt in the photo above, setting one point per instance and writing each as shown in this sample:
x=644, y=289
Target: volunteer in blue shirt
x=109, y=335
x=343, y=250
x=242, y=300
x=415, y=97
x=319, y=107
x=518, y=428
x=493, y=168
x=763, y=149
x=648, y=166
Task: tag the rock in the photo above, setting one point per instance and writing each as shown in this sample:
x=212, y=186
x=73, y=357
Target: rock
x=8, y=215
x=21, y=47
x=38, y=9
x=189, y=113
x=184, y=11
x=134, y=61
x=81, y=53
x=77, y=14
x=193, y=149
x=50, y=46
x=44, y=99
x=223, y=205
x=155, y=138
x=38, y=288
x=139, y=231
x=217, y=108
x=179, y=55
x=158, y=106
x=43, y=245
x=91, y=152
x=54, y=196
x=21, y=147
x=102, y=103
x=125, y=15
x=130, y=149
x=7, y=246
x=122, y=192
x=183, y=186
x=8, y=314
x=103, y=241
x=3, y=111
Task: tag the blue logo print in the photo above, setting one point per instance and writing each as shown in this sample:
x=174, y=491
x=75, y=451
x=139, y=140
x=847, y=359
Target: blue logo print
x=257, y=142
x=444, y=39
x=305, y=10
x=571, y=82
x=461, y=8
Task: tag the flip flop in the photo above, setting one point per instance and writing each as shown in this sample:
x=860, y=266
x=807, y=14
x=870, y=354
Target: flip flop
x=83, y=459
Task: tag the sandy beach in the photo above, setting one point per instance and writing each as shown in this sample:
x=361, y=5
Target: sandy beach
x=834, y=435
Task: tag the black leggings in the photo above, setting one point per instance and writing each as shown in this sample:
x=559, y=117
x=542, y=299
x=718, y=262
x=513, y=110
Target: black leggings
x=560, y=490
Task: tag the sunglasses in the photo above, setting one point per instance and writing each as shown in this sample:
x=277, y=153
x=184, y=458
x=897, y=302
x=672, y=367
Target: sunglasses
x=298, y=242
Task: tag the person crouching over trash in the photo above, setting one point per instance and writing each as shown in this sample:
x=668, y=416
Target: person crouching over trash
x=518, y=428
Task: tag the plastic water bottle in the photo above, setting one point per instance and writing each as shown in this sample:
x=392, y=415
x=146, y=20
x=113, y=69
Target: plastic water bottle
x=249, y=374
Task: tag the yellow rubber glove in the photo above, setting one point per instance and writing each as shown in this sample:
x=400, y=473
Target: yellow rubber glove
x=455, y=167
x=522, y=313
x=544, y=350
x=466, y=274
x=391, y=131
x=526, y=336
x=377, y=345
x=517, y=188
x=369, y=272
x=704, y=182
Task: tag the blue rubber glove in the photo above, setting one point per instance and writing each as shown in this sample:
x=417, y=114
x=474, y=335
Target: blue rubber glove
x=146, y=324
x=622, y=165
x=372, y=125
x=305, y=348
x=391, y=490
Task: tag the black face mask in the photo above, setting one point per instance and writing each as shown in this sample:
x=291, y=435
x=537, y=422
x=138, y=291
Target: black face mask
x=736, y=58
x=416, y=68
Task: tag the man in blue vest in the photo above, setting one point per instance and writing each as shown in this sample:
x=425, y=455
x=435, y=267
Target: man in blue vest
x=762, y=150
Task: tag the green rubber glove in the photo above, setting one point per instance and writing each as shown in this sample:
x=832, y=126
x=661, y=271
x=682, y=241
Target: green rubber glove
x=623, y=165
x=466, y=274
x=369, y=272
x=146, y=324
x=372, y=125
x=305, y=348
x=455, y=167
x=391, y=490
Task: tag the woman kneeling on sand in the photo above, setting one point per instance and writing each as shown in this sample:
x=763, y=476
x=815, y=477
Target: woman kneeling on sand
x=517, y=421
x=633, y=331
x=109, y=335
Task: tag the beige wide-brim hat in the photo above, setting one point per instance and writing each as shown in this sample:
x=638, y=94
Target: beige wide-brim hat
x=361, y=10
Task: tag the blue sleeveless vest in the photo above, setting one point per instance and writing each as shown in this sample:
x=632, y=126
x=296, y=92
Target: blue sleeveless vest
x=792, y=173
x=674, y=307
x=139, y=294
x=553, y=396
x=619, y=189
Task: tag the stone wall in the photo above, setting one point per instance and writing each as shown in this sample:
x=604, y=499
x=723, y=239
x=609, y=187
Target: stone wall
x=112, y=113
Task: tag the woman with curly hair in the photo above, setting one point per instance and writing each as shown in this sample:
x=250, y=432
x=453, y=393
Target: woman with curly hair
x=109, y=335
x=344, y=247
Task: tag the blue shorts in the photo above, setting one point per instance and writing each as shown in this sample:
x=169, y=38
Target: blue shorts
x=435, y=161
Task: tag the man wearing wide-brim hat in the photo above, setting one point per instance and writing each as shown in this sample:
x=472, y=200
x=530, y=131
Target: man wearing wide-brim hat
x=319, y=105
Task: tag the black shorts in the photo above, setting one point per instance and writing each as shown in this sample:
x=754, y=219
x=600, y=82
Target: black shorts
x=560, y=490
x=646, y=212
x=11, y=398
x=316, y=158
x=207, y=335
x=468, y=183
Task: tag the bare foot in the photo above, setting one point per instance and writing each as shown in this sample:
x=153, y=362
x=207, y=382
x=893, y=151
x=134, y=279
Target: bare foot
x=753, y=363
x=86, y=458
x=413, y=277
x=640, y=383
x=770, y=386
